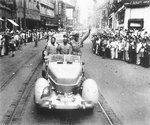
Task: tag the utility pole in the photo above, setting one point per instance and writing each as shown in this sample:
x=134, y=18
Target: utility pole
x=24, y=14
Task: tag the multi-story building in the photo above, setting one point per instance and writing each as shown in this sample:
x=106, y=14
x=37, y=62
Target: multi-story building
x=101, y=13
x=28, y=14
x=66, y=12
x=60, y=13
x=32, y=14
x=129, y=14
x=47, y=14
x=137, y=14
x=7, y=14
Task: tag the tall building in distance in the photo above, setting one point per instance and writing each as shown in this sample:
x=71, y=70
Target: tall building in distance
x=67, y=13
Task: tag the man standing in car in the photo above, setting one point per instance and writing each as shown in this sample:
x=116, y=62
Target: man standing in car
x=77, y=44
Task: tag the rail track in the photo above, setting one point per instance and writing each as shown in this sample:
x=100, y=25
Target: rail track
x=7, y=81
x=17, y=107
x=108, y=112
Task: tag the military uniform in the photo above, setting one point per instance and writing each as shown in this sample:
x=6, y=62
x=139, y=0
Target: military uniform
x=65, y=49
x=75, y=47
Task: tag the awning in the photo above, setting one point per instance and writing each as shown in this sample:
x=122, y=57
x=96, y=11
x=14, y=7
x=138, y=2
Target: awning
x=14, y=23
x=1, y=19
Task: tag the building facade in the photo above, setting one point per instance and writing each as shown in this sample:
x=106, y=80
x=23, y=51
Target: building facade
x=47, y=13
x=101, y=13
x=128, y=14
x=137, y=15
x=7, y=11
x=28, y=14
x=60, y=13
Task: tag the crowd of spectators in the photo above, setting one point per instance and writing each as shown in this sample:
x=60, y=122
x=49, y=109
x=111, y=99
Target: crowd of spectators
x=132, y=46
x=11, y=41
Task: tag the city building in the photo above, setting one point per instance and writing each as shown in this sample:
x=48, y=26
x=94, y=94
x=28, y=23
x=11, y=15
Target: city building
x=127, y=14
x=137, y=14
x=47, y=14
x=101, y=13
x=28, y=14
x=7, y=14
x=60, y=16
x=66, y=13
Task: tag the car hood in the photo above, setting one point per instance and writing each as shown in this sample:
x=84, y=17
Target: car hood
x=65, y=74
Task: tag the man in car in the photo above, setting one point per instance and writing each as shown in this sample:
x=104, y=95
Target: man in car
x=65, y=48
x=77, y=44
x=51, y=47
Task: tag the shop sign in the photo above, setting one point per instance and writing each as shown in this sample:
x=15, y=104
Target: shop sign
x=139, y=2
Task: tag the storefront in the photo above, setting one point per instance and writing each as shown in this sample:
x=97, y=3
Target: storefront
x=136, y=15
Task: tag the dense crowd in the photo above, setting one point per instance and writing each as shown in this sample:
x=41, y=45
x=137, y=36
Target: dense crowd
x=11, y=41
x=132, y=46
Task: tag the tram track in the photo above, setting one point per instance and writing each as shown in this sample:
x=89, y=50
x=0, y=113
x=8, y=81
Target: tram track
x=8, y=80
x=108, y=112
x=17, y=107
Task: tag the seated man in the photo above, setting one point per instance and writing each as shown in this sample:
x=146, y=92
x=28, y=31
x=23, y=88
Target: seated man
x=65, y=48
x=51, y=48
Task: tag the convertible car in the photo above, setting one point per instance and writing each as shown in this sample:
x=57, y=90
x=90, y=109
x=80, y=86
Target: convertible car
x=64, y=85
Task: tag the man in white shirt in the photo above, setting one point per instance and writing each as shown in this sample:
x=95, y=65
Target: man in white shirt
x=112, y=47
x=1, y=44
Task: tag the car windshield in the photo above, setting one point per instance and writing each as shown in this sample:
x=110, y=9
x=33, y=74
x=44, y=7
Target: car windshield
x=56, y=58
x=72, y=58
x=62, y=58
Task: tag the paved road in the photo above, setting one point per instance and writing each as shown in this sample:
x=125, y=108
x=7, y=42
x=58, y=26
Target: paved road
x=15, y=71
x=16, y=95
x=124, y=91
x=125, y=87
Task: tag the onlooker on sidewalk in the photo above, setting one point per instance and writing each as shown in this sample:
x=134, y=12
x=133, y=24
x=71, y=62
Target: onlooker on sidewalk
x=1, y=44
x=13, y=46
x=16, y=37
x=7, y=39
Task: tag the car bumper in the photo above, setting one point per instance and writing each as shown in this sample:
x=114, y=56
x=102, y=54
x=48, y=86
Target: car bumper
x=54, y=103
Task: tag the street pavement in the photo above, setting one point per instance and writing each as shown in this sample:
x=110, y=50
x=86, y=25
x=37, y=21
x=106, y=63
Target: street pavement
x=15, y=71
x=125, y=89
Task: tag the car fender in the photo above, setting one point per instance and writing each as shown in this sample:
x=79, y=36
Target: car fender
x=90, y=91
x=40, y=84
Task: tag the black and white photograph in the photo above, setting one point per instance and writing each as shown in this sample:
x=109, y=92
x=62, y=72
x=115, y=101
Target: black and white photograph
x=74, y=62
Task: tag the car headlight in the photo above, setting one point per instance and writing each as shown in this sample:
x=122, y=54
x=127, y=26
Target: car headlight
x=46, y=92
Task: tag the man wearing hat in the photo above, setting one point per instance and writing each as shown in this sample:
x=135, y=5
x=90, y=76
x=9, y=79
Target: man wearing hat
x=77, y=44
